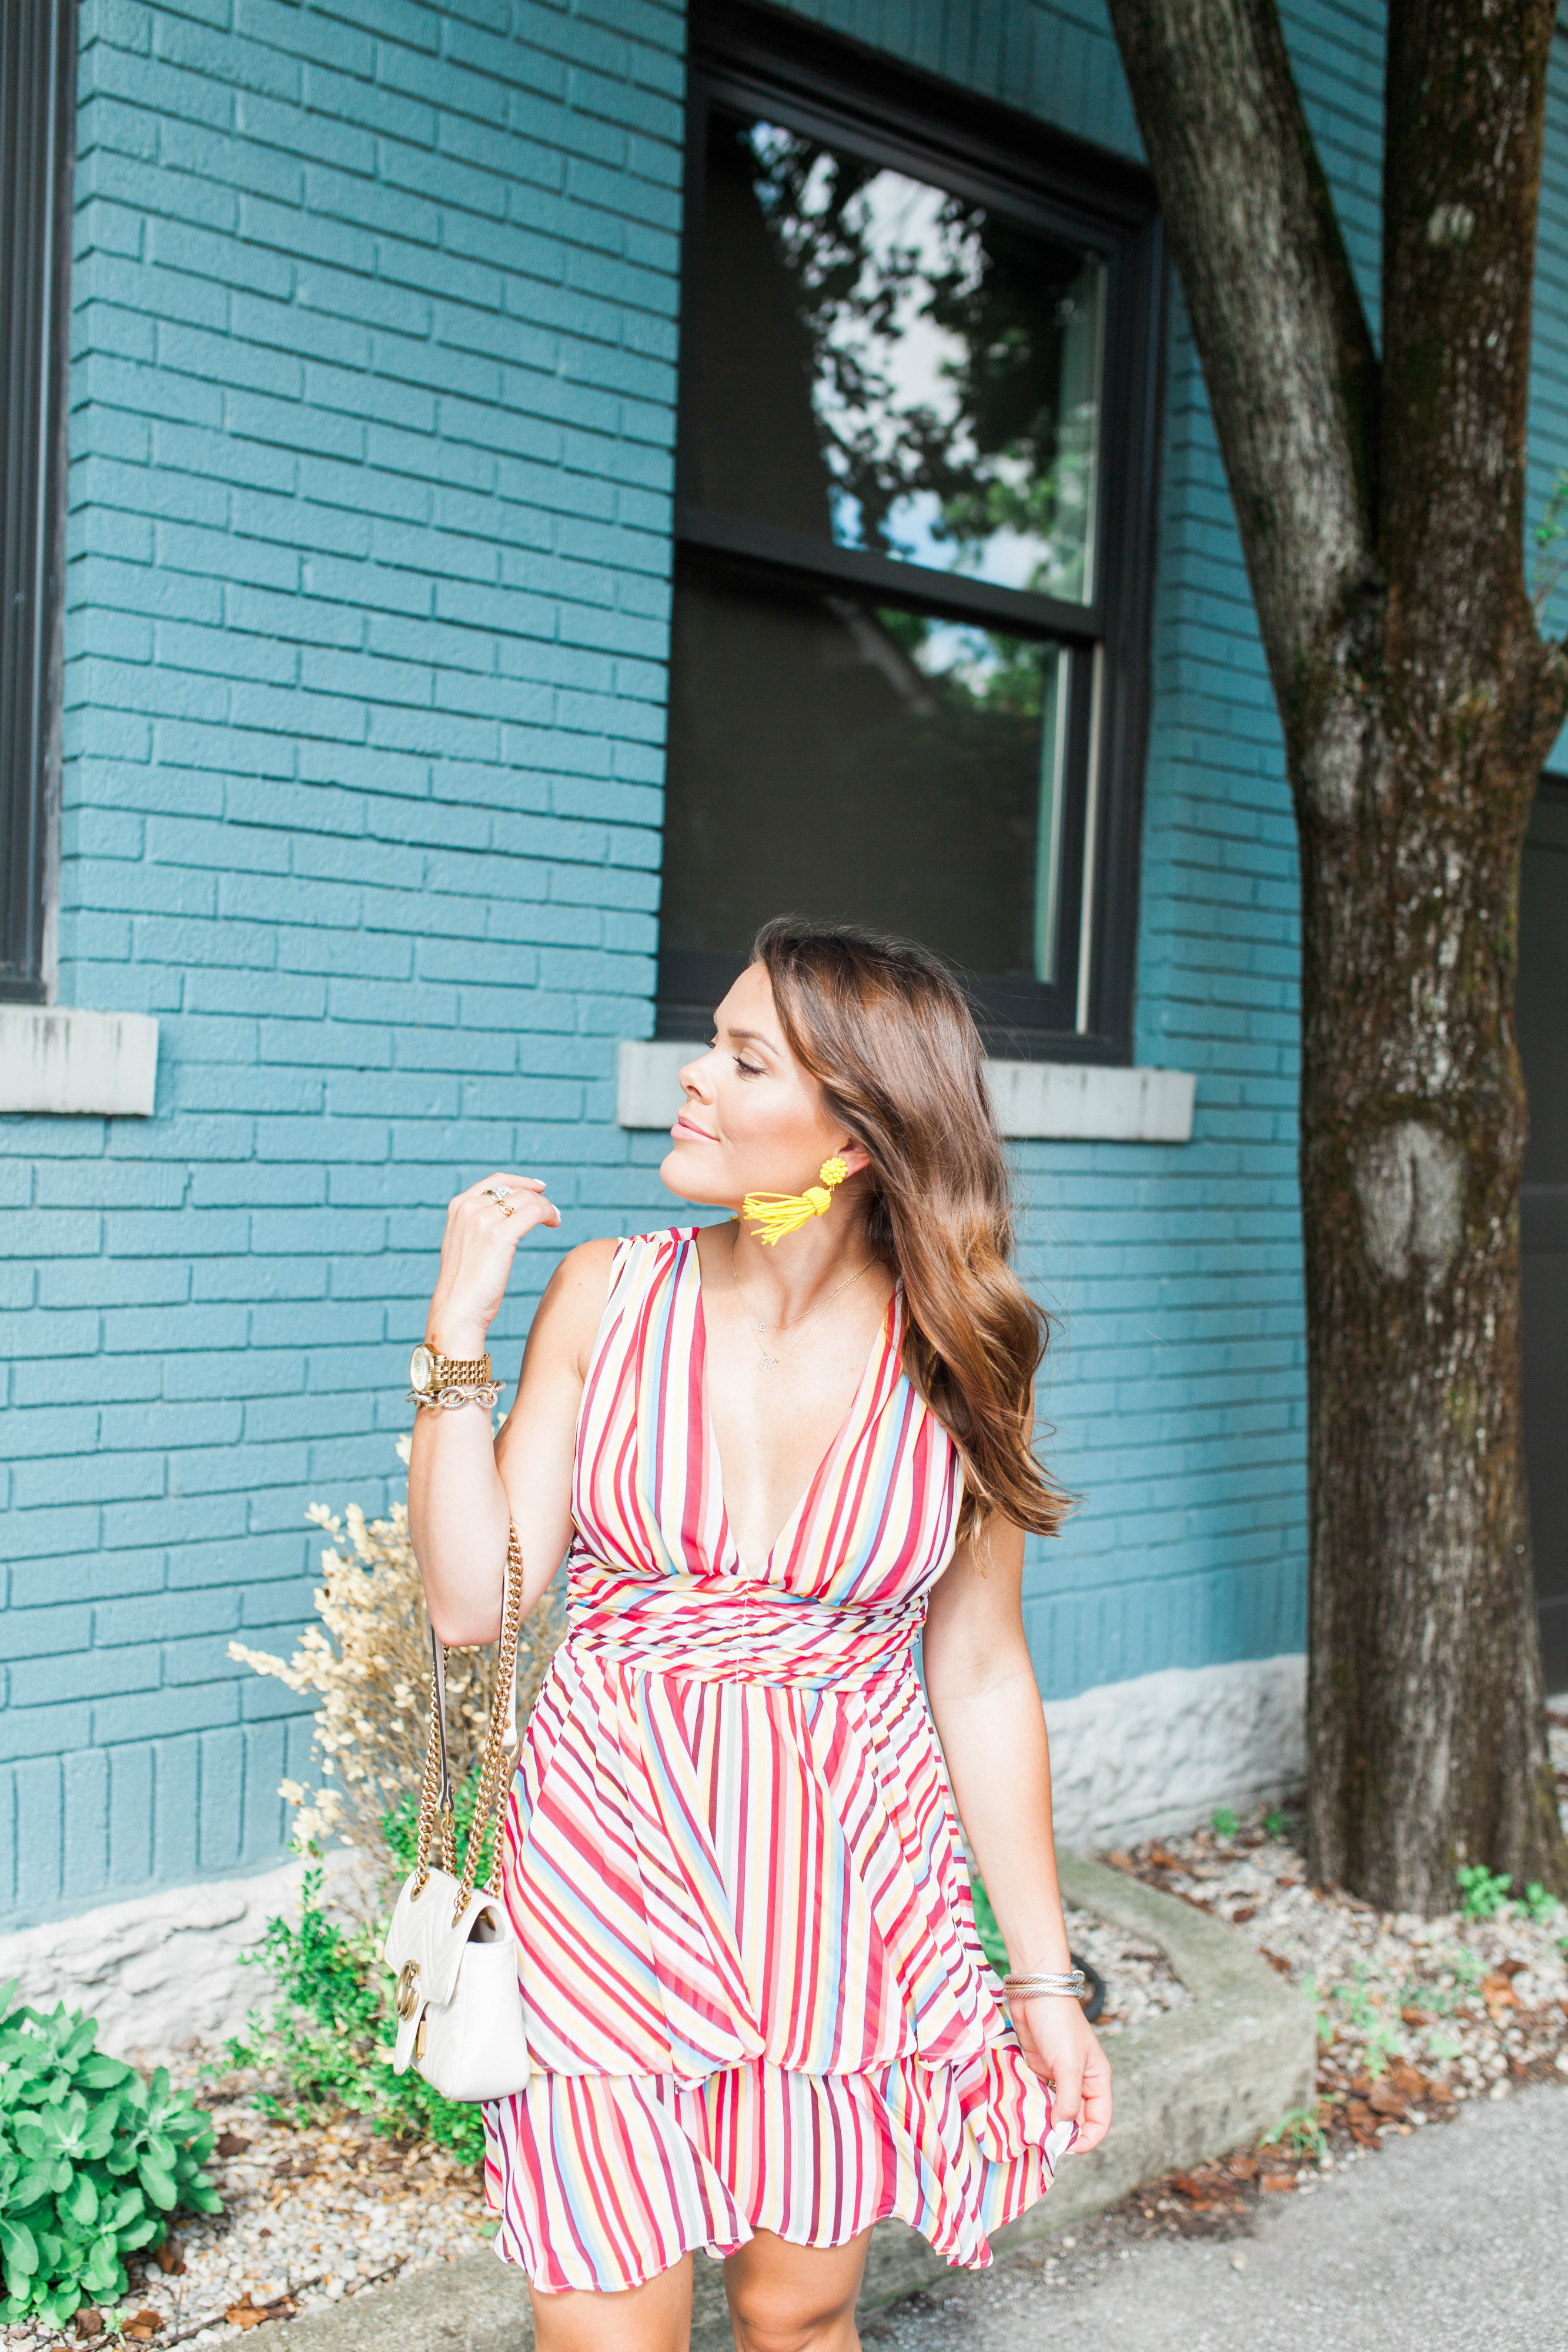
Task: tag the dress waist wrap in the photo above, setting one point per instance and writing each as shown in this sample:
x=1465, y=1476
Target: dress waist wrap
x=732, y=1629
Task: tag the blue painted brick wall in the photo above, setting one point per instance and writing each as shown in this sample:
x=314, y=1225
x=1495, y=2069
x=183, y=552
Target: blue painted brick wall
x=372, y=424
x=374, y=313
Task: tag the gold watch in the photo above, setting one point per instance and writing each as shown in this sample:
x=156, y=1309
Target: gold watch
x=429, y=1371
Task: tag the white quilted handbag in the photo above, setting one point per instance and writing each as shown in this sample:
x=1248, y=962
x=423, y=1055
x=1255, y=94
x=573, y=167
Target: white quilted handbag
x=459, y=2005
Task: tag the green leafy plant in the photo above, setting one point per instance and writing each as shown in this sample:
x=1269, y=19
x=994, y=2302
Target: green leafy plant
x=94, y=2157
x=1274, y=1823
x=1483, y=1893
x=1300, y=2130
x=1441, y=2045
x=399, y=1829
x=330, y=2034
x=991, y=1943
x=1225, y=1823
x=1539, y=1905
x=1365, y=2013
x=1326, y=2027
x=1550, y=550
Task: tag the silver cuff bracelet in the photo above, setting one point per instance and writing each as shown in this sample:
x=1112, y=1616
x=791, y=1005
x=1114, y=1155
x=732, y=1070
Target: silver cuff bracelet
x=1071, y=1983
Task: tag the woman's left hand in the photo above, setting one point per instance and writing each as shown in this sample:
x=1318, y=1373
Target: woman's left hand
x=1059, y=2044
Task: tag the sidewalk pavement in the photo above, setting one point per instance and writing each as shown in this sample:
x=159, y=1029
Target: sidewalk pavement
x=1456, y=2237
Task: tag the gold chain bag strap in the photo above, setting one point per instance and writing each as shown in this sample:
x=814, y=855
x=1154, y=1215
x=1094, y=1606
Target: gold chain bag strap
x=459, y=2006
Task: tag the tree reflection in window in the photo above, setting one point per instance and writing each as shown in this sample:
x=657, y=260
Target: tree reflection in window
x=952, y=361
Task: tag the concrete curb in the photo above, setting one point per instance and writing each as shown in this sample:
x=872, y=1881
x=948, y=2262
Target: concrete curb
x=1202, y=2079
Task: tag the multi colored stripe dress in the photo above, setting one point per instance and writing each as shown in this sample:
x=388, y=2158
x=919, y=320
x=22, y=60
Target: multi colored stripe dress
x=754, y=1993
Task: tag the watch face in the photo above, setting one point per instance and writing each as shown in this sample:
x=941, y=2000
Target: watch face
x=419, y=1368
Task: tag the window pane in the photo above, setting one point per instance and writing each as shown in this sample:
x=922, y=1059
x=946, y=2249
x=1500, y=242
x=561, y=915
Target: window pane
x=877, y=362
x=860, y=763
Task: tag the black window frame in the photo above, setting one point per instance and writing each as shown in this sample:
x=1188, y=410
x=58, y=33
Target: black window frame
x=752, y=60
x=37, y=113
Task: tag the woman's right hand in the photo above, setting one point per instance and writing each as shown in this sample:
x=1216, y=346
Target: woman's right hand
x=477, y=1253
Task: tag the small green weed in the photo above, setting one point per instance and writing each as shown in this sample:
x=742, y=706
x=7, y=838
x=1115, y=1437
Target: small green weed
x=1483, y=1893
x=1225, y=1822
x=1274, y=1823
x=1538, y=1905
x=1325, y=2023
x=1299, y=2131
x=1441, y=2045
x=1364, y=2013
x=991, y=1943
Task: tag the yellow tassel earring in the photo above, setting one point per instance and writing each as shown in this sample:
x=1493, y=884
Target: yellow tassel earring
x=778, y=1213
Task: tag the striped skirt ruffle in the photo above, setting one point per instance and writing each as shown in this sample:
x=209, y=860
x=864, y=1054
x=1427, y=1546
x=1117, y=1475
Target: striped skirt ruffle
x=604, y=2181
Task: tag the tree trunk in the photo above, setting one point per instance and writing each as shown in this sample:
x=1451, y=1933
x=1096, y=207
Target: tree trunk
x=1381, y=511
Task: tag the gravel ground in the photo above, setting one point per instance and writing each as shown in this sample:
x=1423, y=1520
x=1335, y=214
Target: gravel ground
x=311, y=2214
x=1417, y=2016
x=1139, y=1985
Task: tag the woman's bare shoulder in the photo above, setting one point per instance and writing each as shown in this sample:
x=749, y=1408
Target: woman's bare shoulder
x=575, y=1298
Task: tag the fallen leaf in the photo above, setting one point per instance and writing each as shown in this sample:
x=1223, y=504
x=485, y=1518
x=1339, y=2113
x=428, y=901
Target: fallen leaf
x=1275, y=1961
x=1203, y=2190
x=230, y=2144
x=246, y=2313
x=1386, y=2101
x=1362, y=2121
x=1407, y=2080
x=1440, y=2095
x=1498, y=1992
x=89, y=2321
x=1272, y=2183
x=1120, y=1860
x=1248, y=1911
x=1245, y=2167
x=146, y=2325
x=1414, y=2017
x=170, y=2256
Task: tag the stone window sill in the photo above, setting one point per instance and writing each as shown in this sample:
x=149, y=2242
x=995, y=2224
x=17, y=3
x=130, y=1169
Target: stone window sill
x=59, y=1060
x=1062, y=1101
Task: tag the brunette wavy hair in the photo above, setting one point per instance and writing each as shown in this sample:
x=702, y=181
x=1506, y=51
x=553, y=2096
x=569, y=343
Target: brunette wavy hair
x=888, y=1034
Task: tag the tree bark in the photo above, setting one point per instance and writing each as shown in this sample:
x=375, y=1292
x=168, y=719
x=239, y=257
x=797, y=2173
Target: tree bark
x=1381, y=512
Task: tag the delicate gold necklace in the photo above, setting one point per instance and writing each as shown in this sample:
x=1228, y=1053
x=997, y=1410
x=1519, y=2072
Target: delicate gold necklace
x=766, y=1362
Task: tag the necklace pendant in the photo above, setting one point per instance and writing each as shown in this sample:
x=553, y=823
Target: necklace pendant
x=767, y=1363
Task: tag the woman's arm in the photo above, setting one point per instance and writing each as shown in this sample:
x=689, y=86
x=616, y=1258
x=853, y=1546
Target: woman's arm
x=463, y=1488
x=980, y=1682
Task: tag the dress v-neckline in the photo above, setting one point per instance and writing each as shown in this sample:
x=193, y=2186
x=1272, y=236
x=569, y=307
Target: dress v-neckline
x=836, y=1443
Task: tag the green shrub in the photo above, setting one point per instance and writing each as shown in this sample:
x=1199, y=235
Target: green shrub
x=93, y=2159
x=1225, y=1822
x=1483, y=1893
x=332, y=2033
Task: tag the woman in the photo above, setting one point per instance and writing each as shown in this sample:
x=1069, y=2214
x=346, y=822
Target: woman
x=757, y=2005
